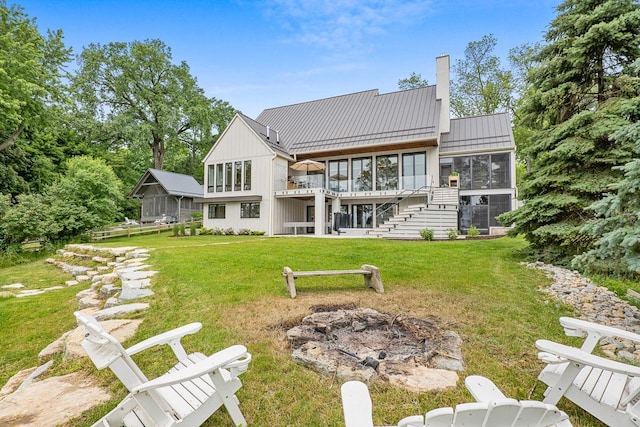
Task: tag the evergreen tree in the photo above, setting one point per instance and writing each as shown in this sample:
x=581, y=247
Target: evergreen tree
x=577, y=101
x=617, y=225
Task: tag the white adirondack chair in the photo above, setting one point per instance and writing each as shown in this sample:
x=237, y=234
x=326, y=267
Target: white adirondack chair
x=492, y=409
x=607, y=389
x=185, y=396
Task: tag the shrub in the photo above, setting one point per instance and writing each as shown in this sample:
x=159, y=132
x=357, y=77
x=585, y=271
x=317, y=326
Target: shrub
x=217, y=231
x=426, y=234
x=182, y=229
x=229, y=232
x=452, y=233
x=244, y=232
x=192, y=229
x=196, y=216
x=258, y=233
x=473, y=231
x=176, y=230
x=205, y=231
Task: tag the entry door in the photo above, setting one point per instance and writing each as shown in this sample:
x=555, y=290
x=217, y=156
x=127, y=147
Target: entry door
x=311, y=217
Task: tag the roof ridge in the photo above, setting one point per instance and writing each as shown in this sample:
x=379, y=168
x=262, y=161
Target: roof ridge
x=406, y=90
x=321, y=99
x=481, y=115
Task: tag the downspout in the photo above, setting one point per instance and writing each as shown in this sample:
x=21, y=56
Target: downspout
x=272, y=199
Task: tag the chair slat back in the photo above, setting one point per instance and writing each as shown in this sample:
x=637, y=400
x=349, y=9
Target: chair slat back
x=531, y=414
x=502, y=413
x=106, y=351
x=440, y=417
x=470, y=414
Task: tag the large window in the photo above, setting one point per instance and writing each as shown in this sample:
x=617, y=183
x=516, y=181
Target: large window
x=481, y=211
x=478, y=172
x=362, y=216
x=237, y=176
x=500, y=171
x=414, y=171
x=462, y=165
x=387, y=172
x=250, y=210
x=361, y=174
x=247, y=174
x=219, y=177
x=228, y=176
x=338, y=178
x=498, y=204
x=211, y=180
x=217, y=210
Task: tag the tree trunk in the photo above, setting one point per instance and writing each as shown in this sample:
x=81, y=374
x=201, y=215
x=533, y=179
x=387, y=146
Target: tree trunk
x=12, y=139
x=158, y=152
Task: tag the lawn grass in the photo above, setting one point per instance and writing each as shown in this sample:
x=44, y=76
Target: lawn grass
x=233, y=285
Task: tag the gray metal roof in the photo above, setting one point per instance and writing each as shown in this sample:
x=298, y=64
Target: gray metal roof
x=175, y=184
x=357, y=119
x=272, y=141
x=478, y=133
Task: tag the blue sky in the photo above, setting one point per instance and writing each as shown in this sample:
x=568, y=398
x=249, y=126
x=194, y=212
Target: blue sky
x=262, y=54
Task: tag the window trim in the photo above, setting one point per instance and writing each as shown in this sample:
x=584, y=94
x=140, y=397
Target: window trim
x=253, y=208
x=214, y=207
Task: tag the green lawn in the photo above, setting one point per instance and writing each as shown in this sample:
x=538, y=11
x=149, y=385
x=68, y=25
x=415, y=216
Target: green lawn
x=233, y=285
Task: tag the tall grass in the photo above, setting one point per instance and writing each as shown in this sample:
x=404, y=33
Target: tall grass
x=233, y=285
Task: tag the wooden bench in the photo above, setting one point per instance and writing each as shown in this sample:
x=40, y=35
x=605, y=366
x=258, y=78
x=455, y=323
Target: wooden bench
x=371, y=275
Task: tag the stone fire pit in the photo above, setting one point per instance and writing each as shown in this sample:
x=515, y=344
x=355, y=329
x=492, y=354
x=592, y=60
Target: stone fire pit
x=363, y=343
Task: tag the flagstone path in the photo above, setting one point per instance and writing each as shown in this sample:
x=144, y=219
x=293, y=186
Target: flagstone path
x=120, y=278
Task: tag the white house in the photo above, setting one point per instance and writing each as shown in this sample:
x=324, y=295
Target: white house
x=387, y=166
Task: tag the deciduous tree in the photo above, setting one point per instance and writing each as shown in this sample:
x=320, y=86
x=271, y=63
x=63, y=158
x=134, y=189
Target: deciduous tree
x=31, y=67
x=137, y=96
x=414, y=81
x=480, y=85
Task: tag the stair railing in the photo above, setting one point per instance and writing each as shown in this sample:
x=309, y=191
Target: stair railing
x=395, y=200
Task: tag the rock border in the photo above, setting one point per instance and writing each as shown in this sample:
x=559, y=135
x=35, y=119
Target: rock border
x=595, y=304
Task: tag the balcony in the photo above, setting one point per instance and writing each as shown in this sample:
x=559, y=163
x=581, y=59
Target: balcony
x=305, y=181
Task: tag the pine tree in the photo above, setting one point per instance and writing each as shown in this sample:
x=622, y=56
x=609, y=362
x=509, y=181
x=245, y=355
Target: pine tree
x=577, y=98
x=617, y=225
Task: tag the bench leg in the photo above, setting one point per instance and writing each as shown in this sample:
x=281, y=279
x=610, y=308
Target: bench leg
x=289, y=281
x=373, y=280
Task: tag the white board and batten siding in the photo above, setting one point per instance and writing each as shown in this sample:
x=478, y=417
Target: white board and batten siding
x=240, y=143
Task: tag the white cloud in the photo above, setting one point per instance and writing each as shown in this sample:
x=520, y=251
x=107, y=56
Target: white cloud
x=343, y=24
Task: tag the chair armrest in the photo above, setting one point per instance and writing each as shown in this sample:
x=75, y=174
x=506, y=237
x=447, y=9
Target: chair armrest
x=586, y=359
x=412, y=421
x=216, y=361
x=483, y=389
x=593, y=332
x=171, y=337
x=356, y=404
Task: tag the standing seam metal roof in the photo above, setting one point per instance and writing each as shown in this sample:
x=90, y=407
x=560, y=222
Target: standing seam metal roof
x=477, y=133
x=261, y=131
x=357, y=119
x=176, y=184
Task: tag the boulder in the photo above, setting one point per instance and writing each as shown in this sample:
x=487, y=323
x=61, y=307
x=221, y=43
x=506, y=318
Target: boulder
x=120, y=311
x=53, y=401
x=69, y=343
